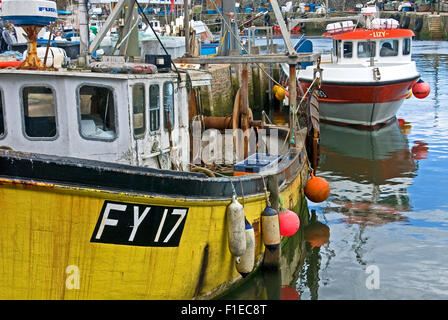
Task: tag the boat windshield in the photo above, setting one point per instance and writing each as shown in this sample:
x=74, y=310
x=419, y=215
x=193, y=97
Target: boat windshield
x=389, y=48
x=97, y=112
x=406, y=46
x=348, y=49
x=366, y=49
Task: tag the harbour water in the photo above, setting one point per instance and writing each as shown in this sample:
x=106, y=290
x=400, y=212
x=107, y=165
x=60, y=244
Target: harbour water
x=387, y=214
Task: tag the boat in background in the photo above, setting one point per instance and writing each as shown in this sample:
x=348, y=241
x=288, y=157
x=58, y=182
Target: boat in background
x=369, y=73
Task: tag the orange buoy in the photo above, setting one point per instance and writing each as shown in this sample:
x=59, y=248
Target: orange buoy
x=6, y=64
x=289, y=223
x=421, y=89
x=317, y=189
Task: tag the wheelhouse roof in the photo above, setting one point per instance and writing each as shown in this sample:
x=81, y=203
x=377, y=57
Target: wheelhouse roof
x=370, y=34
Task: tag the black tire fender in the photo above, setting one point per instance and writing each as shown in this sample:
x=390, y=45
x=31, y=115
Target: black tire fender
x=405, y=22
x=418, y=24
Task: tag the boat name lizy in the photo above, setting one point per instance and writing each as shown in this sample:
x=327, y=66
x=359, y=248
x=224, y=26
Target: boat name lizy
x=139, y=225
x=379, y=34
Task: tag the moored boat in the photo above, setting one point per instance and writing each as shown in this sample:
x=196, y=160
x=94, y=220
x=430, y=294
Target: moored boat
x=100, y=193
x=369, y=74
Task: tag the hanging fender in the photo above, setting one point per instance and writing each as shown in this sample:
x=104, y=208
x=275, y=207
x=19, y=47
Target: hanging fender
x=270, y=228
x=236, y=228
x=246, y=263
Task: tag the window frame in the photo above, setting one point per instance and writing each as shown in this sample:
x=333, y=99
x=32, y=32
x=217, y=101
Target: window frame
x=3, y=111
x=152, y=132
x=22, y=112
x=371, y=44
x=141, y=135
x=403, y=46
x=173, y=125
x=380, y=45
x=343, y=45
x=78, y=110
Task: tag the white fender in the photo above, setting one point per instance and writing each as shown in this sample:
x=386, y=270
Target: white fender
x=246, y=263
x=236, y=228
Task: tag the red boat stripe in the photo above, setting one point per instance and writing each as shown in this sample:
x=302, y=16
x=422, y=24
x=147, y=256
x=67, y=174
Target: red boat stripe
x=359, y=93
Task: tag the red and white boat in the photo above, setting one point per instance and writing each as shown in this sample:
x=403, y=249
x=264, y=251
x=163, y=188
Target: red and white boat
x=369, y=75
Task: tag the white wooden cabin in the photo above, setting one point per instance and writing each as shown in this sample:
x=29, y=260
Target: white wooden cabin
x=121, y=118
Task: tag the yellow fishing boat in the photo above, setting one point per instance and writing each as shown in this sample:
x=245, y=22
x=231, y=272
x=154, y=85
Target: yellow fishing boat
x=101, y=193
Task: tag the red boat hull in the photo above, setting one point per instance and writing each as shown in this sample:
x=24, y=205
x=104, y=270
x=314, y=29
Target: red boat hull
x=364, y=105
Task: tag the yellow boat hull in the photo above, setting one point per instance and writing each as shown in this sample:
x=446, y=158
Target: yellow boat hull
x=47, y=248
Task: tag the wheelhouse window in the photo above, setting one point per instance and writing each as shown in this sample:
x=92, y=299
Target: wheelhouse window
x=348, y=49
x=154, y=107
x=336, y=48
x=366, y=49
x=39, y=112
x=168, y=104
x=97, y=108
x=139, y=110
x=406, y=46
x=2, y=119
x=389, y=48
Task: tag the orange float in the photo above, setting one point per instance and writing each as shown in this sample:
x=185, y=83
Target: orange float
x=317, y=189
x=421, y=89
x=6, y=64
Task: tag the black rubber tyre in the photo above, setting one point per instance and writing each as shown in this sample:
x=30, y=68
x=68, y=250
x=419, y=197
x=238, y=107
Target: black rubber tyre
x=405, y=23
x=418, y=24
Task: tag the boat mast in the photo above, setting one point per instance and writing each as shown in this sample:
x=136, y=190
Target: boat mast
x=187, y=29
x=105, y=27
x=83, y=59
x=229, y=42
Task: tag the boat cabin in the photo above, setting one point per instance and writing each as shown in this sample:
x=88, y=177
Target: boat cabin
x=122, y=118
x=362, y=45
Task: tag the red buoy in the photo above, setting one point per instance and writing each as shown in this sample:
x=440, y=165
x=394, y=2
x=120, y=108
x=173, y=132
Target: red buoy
x=289, y=223
x=317, y=189
x=421, y=89
x=289, y=293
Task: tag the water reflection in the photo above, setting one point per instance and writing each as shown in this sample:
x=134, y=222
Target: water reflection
x=374, y=170
x=316, y=234
x=301, y=249
x=388, y=205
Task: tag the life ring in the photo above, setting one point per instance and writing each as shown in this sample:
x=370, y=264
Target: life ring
x=405, y=22
x=418, y=24
x=6, y=64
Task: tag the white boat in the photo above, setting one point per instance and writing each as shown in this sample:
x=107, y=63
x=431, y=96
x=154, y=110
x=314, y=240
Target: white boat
x=369, y=75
